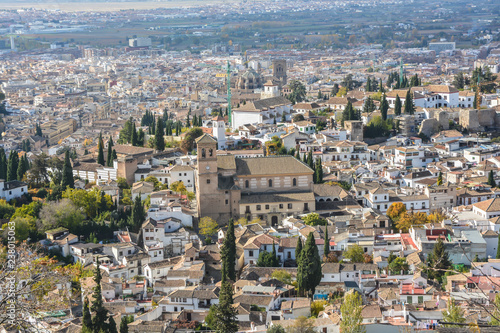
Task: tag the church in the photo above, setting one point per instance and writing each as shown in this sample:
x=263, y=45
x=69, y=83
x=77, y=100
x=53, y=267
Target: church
x=269, y=188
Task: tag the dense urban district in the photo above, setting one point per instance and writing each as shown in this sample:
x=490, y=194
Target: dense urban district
x=280, y=167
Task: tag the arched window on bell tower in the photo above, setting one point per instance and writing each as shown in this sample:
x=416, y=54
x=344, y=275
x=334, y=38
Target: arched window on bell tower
x=210, y=152
x=203, y=155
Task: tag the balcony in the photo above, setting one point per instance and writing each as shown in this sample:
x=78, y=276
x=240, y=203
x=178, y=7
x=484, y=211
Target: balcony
x=204, y=305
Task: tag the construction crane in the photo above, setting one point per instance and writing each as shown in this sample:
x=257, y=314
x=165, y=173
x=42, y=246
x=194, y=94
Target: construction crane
x=228, y=76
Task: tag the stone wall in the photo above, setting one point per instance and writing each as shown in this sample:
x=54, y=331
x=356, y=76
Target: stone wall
x=479, y=120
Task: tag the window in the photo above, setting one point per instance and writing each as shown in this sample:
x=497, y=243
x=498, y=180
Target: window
x=227, y=202
x=281, y=206
x=270, y=183
x=247, y=184
x=184, y=300
x=267, y=206
x=121, y=253
x=185, y=174
x=258, y=207
x=294, y=182
x=250, y=253
x=247, y=209
x=289, y=206
x=208, y=181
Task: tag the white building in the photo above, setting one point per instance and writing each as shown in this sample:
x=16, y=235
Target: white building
x=431, y=96
x=219, y=132
x=12, y=189
x=261, y=112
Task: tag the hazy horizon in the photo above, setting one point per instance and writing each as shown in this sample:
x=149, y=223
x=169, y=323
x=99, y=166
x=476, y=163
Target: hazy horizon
x=96, y=5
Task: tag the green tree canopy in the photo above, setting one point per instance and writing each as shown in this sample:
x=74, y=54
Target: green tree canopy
x=453, y=314
x=208, y=226
x=309, y=267
x=350, y=310
x=355, y=253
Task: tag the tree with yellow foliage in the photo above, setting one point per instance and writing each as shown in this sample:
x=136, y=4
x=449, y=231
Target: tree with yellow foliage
x=407, y=221
x=396, y=210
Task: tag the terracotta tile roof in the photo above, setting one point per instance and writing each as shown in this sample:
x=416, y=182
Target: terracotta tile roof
x=271, y=165
x=491, y=205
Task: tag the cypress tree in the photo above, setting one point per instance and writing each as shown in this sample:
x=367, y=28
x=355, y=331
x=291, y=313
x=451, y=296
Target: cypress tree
x=67, y=173
x=13, y=165
x=111, y=325
x=310, y=161
x=477, y=99
x=297, y=154
x=109, y=160
x=298, y=249
x=159, y=140
x=138, y=214
x=384, y=107
x=140, y=138
x=326, y=249
x=124, y=325
x=397, y=106
x=409, y=106
x=440, y=178
x=309, y=269
x=3, y=164
x=438, y=261
x=134, y=135
x=100, y=156
x=178, y=128
x=165, y=114
x=87, y=318
x=228, y=253
x=368, y=84
x=38, y=130
x=274, y=257
x=318, y=172
x=153, y=127
x=21, y=168
x=100, y=312
x=381, y=86
x=225, y=313
x=498, y=247
x=114, y=155
x=188, y=123
x=491, y=179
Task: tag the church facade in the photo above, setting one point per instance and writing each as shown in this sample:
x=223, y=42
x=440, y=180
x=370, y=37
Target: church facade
x=268, y=188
